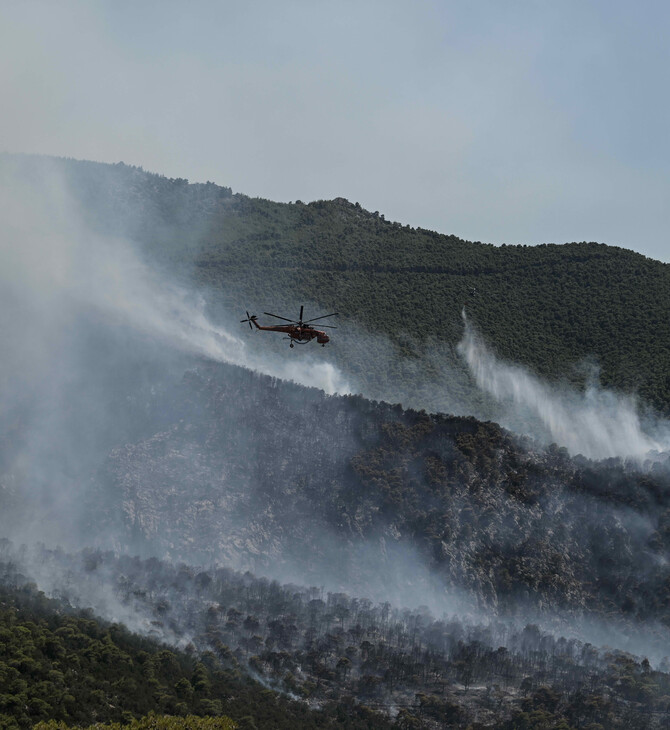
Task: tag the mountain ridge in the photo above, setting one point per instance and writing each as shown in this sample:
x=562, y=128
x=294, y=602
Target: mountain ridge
x=107, y=444
x=548, y=307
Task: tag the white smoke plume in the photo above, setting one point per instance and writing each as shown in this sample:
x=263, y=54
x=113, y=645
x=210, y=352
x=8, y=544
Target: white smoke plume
x=53, y=267
x=125, y=288
x=596, y=423
x=89, y=329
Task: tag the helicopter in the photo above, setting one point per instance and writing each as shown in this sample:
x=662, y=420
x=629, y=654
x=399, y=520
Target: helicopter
x=298, y=330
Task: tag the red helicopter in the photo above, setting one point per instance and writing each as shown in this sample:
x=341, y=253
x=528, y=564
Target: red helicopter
x=297, y=330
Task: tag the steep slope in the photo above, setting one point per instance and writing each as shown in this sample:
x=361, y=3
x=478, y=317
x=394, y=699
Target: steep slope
x=367, y=497
x=64, y=665
x=344, y=655
x=548, y=306
x=227, y=467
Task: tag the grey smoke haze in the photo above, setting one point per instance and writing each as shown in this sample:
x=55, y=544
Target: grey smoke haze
x=596, y=423
x=83, y=318
x=59, y=279
x=88, y=579
x=56, y=267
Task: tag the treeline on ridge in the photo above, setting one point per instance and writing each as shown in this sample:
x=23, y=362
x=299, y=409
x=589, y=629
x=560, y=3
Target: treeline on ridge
x=547, y=306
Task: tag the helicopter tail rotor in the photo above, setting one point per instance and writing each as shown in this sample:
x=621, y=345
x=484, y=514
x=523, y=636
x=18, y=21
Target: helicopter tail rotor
x=250, y=318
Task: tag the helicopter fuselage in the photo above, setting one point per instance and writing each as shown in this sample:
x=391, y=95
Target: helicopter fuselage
x=296, y=333
x=297, y=330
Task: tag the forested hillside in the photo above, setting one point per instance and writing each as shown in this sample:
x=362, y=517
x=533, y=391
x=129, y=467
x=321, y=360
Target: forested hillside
x=346, y=492
x=347, y=656
x=126, y=430
x=70, y=667
x=548, y=306
x=238, y=469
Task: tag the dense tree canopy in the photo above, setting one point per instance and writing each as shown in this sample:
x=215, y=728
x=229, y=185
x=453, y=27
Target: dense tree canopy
x=547, y=306
x=68, y=667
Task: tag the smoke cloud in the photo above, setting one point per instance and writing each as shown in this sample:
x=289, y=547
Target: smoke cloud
x=89, y=325
x=61, y=284
x=54, y=267
x=596, y=423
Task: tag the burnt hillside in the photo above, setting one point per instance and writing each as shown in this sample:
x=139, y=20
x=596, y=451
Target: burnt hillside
x=264, y=474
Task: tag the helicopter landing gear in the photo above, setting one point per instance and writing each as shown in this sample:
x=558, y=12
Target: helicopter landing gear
x=291, y=345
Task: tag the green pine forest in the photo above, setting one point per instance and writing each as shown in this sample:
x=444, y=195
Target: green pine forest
x=62, y=668
x=550, y=307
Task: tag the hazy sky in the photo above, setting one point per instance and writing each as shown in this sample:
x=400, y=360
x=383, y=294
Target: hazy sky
x=519, y=121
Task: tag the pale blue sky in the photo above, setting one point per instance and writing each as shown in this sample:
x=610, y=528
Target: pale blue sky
x=520, y=122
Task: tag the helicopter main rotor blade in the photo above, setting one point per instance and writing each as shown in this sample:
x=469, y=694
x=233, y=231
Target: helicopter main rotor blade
x=278, y=317
x=328, y=326
x=323, y=316
x=301, y=308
